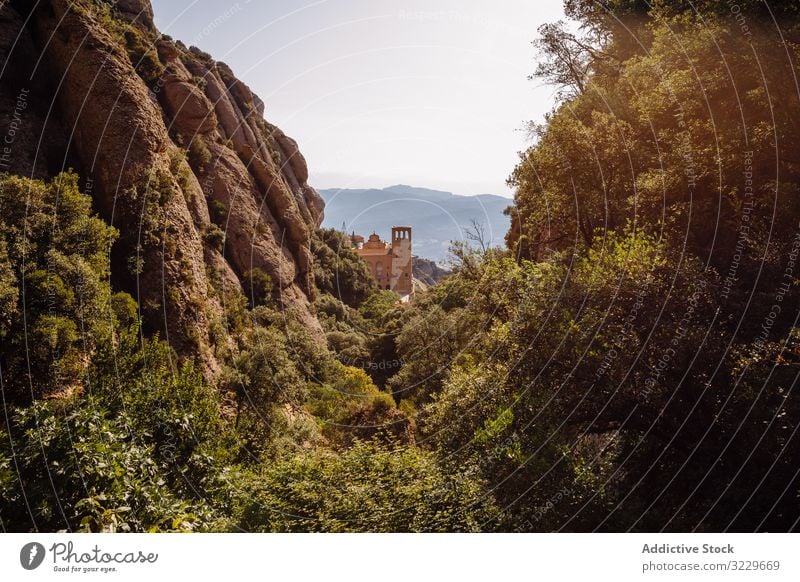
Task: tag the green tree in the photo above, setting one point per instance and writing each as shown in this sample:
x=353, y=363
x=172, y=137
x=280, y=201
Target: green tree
x=338, y=270
x=54, y=286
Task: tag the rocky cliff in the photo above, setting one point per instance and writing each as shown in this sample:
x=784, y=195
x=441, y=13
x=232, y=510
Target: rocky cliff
x=175, y=152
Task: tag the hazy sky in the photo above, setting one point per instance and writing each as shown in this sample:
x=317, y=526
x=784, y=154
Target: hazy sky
x=429, y=93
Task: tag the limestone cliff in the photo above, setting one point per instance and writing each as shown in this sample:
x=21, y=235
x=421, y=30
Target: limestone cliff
x=175, y=152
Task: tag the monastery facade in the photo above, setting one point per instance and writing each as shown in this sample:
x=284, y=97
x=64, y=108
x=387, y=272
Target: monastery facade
x=390, y=262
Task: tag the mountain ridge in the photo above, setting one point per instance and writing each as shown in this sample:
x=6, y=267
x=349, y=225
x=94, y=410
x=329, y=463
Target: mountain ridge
x=438, y=217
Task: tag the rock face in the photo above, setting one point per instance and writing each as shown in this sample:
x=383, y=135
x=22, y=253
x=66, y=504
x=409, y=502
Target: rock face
x=428, y=272
x=173, y=148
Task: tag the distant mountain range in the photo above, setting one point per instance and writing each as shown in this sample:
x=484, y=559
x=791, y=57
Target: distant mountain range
x=436, y=217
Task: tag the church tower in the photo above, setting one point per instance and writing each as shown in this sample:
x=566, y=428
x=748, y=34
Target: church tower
x=401, y=281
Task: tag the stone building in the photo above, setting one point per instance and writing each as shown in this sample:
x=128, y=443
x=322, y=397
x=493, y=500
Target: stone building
x=390, y=263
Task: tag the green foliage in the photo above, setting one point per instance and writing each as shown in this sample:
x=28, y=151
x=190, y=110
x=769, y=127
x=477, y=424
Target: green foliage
x=349, y=346
x=136, y=454
x=162, y=398
x=143, y=55
x=379, y=304
x=649, y=137
x=215, y=238
x=540, y=376
x=276, y=158
x=53, y=246
x=338, y=270
x=181, y=171
x=219, y=212
x=128, y=438
x=85, y=470
x=430, y=341
x=8, y=290
x=138, y=43
x=556, y=398
x=370, y=487
x=258, y=287
x=199, y=82
x=639, y=328
x=198, y=155
x=202, y=55
x=352, y=407
x=270, y=375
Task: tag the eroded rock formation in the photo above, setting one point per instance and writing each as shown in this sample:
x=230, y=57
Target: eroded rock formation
x=173, y=149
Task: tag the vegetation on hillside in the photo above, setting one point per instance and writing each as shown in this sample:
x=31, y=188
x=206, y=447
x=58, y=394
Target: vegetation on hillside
x=108, y=431
x=630, y=361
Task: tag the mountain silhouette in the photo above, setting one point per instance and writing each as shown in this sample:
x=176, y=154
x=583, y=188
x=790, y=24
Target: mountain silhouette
x=437, y=217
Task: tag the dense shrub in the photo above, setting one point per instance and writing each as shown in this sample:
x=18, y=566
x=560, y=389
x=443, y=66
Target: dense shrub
x=54, y=254
x=258, y=287
x=338, y=270
x=119, y=435
x=369, y=487
x=198, y=155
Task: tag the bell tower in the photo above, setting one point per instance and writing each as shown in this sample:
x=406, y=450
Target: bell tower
x=402, y=260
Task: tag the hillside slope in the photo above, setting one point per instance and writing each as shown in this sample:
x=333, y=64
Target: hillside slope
x=174, y=151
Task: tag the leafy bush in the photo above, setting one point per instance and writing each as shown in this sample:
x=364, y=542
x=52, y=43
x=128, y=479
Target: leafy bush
x=369, y=487
x=83, y=469
x=379, y=304
x=60, y=254
x=135, y=455
x=338, y=270
x=258, y=287
x=352, y=407
x=143, y=55
x=215, y=237
x=198, y=155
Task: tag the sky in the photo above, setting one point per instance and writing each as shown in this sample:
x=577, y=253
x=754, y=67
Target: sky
x=429, y=93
